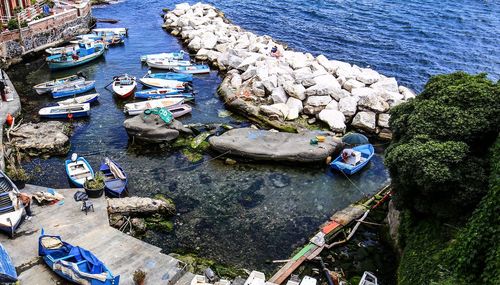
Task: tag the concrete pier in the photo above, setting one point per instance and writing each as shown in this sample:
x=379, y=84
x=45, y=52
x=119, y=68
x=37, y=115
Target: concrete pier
x=123, y=254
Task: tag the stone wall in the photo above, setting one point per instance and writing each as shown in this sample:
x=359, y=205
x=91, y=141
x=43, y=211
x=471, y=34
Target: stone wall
x=43, y=33
x=286, y=86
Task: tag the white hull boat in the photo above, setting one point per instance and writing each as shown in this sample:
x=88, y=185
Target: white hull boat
x=124, y=86
x=167, y=63
x=59, y=82
x=139, y=107
x=11, y=210
x=90, y=98
x=163, y=83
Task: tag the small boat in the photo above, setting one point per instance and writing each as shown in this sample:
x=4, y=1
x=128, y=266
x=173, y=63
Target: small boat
x=90, y=98
x=193, y=69
x=165, y=55
x=164, y=83
x=74, y=263
x=11, y=211
x=73, y=89
x=87, y=51
x=78, y=170
x=368, y=278
x=171, y=76
x=166, y=63
x=64, y=49
x=110, y=38
x=117, y=31
x=307, y=280
x=163, y=93
x=115, y=179
x=65, y=112
x=256, y=278
x=180, y=110
x=124, y=86
x=139, y=107
x=364, y=152
x=59, y=82
x=8, y=272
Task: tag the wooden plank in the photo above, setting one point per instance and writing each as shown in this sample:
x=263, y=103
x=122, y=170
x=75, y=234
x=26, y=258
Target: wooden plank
x=330, y=227
x=303, y=251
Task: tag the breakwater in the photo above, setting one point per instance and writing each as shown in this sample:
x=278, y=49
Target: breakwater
x=282, y=88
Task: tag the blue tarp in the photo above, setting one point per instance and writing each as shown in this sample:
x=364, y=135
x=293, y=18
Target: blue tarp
x=95, y=265
x=8, y=272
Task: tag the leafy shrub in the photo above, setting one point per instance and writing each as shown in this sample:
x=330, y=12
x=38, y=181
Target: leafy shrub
x=12, y=24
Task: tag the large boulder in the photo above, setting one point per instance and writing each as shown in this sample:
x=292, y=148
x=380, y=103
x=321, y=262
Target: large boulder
x=45, y=138
x=363, y=92
x=195, y=43
x=151, y=128
x=373, y=103
x=348, y=106
x=294, y=103
x=351, y=84
x=139, y=206
x=386, y=84
x=365, y=121
x=208, y=40
x=383, y=120
x=274, y=146
x=323, y=61
x=278, y=95
x=335, y=120
x=280, y=110
x=295, y=90
x=368, y=76
x=316, y=101
x=406, y=92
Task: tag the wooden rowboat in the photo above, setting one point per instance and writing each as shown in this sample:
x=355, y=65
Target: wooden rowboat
x=115, y=178
x=124, y=86
x=65, y=112
x=78, y=170
x=59, y=82
x=90, y=98
x=366, y=153
x=11, y=211
x=193, y=69
x=166, y=63
x=8, y=274
x=139, y=107
x=73, y=89
x=163, y=83
x=87, y=51
x=165, y=55
x=163, y=93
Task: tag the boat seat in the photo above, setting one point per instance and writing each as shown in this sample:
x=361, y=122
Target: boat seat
x=81, y=175
x=80, y=171
x=64, y=258
x=365, y=152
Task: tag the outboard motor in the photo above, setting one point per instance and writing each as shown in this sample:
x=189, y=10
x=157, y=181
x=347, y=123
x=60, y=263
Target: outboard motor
x=74, y=157
x=209, y=273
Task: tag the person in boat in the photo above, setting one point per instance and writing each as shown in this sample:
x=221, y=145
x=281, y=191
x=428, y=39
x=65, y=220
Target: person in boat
x=350, y=156
x=187, y=88
x=275, y=52
x=26, y=200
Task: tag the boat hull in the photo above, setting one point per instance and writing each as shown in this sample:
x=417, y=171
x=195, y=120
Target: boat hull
x=124, y=91
x=138, y=108
x=193, y=69
x=70, y=92
x=172, y=76
x=91, y=98
x=12, y=213
x=58, y=65
x=162, y=83
x=77, y=182
x=367, y=153
x=114, y=187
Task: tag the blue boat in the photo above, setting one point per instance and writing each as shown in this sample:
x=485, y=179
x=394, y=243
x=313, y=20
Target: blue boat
x=171, y=76
x=87, y=51
x=65, y=112
x=11, y=212
x=78, y=170
x=115, y=178
x=74, y=263
x=160, y=93
x=192, y=69
x=8, y=272
x=74, y=89
x=365, y=152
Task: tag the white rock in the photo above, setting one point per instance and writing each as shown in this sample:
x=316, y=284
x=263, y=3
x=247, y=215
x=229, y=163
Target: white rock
x=249, y=73
x=351, y=84
x=202, y=54
x=348, y=105
x=348, y=72
x=294, y=103
x=333, y=105
x=178, y=12
x=298, y=60
x=258, y=89
x=195, y=43
x=373, y=103
x=386, y=84
x=364, y=121
x=383, y=120
x=341, y=80
x=208, y=40
x=234, y=61
x=283, y=109
x=368, y=76
x=236, y=81
x=293, y=113
x=182, y=6
x=249, y=61
x=325, y=85
x=323, y=61
x=393, y=98
x=295, y=90
x=406, y=92
x=363, y=92
x=270, y=83
x=278, y=95
x=340, y=94
x=339, y=65
x=317, y=101
x=334, y=119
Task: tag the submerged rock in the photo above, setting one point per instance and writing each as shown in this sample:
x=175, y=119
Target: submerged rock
x=275, y=146
x=45, y=138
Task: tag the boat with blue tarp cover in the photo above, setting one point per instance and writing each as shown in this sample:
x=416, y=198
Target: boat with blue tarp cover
x=87, y=51
x=11, y=210
x=357, y=158
x=193, y=69
x=159, y=93
x=73, y=89
x=115, y=178
x=8, y=272
x=171, y=76
x=74, y=263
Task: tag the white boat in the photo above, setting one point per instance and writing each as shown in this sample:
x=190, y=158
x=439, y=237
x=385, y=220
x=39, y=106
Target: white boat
x=117, y=31
x=164, y=55
x=90, y=98
x=59, y=82
x=78, y=170
x=11, y=211
x=139, y=107
x=166, y=63
x=124, y=86
x=307, y=280
x=368, y=278
x=66, y=112
x=163, y=83
x=64, y=49
x=256, y=278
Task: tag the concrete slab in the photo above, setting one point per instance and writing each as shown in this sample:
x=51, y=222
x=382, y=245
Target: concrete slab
x=122, y=253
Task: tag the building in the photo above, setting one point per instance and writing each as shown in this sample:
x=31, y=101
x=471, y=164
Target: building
x=8, y=7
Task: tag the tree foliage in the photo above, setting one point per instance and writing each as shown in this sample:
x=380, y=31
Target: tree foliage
x=438, y=158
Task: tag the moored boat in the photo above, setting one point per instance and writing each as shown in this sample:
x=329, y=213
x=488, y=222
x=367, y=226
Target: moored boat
x=64, y=49
x=193, y=69
x=78, y=170
x=166, y=63
x=74, y=263
x=137, y=108
x=180, y=110
x=159, y=93
x=11, y=210
x=124, y=86
x=8, y=272
x=58, y=82
x=164, y=55
x=65, y=112
x=87, y=51
x=89, y=98
x=115, y=178
x=164, y=83
x=361, y=155
x=368, y=278
x=117, y=31
x=171, y=76
x=73, y=89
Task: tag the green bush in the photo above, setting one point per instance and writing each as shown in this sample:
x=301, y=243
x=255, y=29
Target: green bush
x=12, y=24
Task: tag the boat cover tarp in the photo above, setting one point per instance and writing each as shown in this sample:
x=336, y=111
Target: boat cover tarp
x=8, y=272
x=163, y=113
x=115, y=169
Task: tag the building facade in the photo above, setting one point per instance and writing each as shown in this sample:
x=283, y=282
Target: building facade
x=8, y=7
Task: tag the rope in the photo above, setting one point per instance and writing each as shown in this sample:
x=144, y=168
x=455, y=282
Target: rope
x=355, y=186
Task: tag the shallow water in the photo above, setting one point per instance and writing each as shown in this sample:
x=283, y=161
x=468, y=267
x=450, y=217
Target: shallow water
x=247, y=214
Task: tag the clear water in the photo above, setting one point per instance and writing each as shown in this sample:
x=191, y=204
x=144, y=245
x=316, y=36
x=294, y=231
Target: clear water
x=249, y=213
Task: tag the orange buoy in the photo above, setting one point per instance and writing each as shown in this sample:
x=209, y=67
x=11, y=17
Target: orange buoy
x=9, y=119
x=70, y=116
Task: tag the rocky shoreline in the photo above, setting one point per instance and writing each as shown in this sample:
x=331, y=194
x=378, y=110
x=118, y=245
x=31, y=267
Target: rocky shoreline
x=286, y=89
